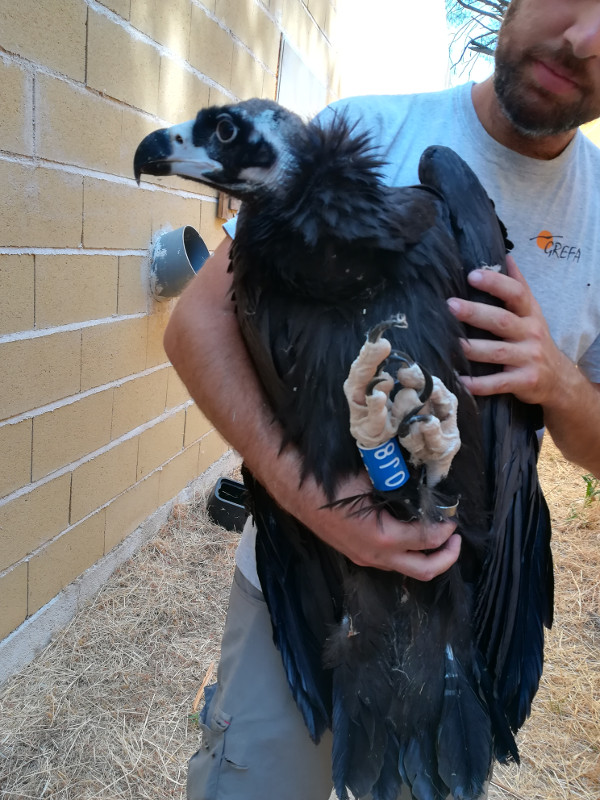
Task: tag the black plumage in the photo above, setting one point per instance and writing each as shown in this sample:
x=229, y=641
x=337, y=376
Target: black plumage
x=421, y=683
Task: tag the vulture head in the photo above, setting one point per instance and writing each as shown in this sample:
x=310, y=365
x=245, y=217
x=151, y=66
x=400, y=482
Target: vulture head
x=247, y=149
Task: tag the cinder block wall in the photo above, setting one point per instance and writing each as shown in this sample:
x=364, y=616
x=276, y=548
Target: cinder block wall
x=96, y=430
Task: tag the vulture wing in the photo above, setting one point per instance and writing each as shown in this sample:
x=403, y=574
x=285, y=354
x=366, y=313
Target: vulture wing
x=515, y=595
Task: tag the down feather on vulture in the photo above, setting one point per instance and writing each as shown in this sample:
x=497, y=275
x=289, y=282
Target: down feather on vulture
x=340, y=284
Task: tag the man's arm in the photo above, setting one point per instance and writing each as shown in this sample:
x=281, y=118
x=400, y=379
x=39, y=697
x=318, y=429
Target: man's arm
x=534, y=368
x=204, y=344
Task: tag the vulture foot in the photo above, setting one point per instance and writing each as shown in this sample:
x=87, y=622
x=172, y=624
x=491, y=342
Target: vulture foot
x=412, y=405
x=431, y=436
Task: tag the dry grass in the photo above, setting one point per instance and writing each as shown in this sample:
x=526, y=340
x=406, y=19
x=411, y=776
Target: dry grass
x=106, y=711
x=560, y=743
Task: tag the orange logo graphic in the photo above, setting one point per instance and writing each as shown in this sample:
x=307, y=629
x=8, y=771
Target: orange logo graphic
x=544, y=239
x=554, y=248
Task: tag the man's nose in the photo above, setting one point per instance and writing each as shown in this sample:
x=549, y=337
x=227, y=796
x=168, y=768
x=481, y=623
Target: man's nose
x=584, y=33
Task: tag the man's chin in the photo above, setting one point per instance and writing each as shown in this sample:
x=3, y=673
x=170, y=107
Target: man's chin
x=533, y=112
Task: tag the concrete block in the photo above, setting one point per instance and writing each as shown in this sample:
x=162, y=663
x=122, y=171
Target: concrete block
x=249, y=23
x=241, y=17
x=196, y=425
x=32, y=519
x=267, y=46
x=13, y=599
x=75, y=126
x=38, y=371
x=71, y=288
x=170, y=211
x=133, y=286
x=16, y=293
x=39, y=207
x=276, y=8
x=297, y=25
x=246, y=75
x=16, y=120
x=160, y=443
x=211, y=48
x=177, y=392
x=120, y=7
x=175, y=475
x=181, y=92
x=131, y=73
x=138, y=401
x=62, y=560
x=320, y=11
x=104, y=477
x=15, y=456
x=212, y=447
x=47, y=33
x=157, y=324
x=116, y=215
x=218, y=98
x=113, y=350
x=71, y=432
x=166, y=23
x=130, y=509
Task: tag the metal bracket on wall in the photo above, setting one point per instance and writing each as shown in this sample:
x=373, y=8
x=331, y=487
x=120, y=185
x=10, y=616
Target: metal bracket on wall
x=228, y=206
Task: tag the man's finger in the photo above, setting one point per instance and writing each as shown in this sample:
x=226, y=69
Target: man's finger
x=486, y=385
x=491, y=351
x=498, y=321
x=511, y=289
x=426, y=566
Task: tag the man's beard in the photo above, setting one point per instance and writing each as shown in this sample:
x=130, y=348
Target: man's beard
x=535, y=119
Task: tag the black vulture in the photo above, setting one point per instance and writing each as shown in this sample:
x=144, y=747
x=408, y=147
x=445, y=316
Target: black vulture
x=422, y=683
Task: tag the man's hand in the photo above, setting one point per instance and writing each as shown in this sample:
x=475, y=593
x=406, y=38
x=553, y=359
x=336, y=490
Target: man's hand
x=535, y=370
x=525, y=347
x=417, y=549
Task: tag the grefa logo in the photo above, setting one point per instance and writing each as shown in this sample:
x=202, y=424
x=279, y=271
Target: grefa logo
x=555, y=248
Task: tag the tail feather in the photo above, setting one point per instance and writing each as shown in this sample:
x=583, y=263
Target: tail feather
x=358, y=652
x=389, y=782
x=418, y=767
x=464, y=735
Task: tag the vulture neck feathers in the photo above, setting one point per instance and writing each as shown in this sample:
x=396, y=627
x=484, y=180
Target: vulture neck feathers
x=331, y=208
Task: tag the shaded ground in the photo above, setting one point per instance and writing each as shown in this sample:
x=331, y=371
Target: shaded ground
x=107, y=710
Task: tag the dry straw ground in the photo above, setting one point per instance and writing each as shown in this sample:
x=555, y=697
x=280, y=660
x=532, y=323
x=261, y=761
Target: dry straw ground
x=106, y=711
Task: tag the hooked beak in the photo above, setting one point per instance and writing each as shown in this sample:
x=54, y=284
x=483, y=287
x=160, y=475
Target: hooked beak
x=170, y=151
x=152, y=155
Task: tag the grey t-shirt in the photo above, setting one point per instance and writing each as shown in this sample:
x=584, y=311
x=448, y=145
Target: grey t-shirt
x=550, y=208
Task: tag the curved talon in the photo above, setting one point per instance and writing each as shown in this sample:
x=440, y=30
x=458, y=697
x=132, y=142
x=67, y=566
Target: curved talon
x=372, y=384
x=428, y=388
x=401, y=357
x=407, y=421
x=395, y=356
x=406, y=361
x=398, y=321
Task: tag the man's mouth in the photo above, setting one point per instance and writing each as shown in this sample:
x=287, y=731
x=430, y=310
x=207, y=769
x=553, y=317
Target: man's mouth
x=554, y=77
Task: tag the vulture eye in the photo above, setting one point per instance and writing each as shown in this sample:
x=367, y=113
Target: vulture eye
x=226, y=131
